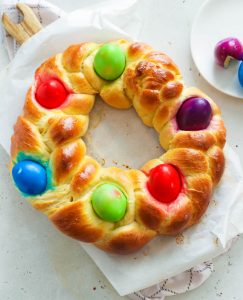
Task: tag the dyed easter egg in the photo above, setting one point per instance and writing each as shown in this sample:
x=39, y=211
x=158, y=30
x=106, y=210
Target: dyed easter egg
x=195, y=113
x=30, y=177
x=109, y=202
x=51, y=93
x=228, y=49
x=109, y=62
x=240, y=74
x=164, y=183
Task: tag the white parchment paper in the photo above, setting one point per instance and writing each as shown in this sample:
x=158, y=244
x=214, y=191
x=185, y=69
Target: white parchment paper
x=119, y=138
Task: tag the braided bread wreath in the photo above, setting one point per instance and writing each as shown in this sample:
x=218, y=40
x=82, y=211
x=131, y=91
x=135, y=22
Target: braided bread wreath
x=117, y=210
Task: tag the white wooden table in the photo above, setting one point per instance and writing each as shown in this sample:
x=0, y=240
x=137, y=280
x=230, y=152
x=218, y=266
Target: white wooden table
x=60, y=269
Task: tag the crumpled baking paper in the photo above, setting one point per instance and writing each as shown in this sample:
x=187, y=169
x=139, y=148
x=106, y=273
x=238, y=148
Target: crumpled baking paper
x=130, y=145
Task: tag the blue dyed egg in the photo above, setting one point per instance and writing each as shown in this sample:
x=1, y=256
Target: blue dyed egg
x=240, y=73
x=30, y=177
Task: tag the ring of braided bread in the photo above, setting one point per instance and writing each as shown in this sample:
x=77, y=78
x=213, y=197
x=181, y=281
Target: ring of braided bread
x=153, y=85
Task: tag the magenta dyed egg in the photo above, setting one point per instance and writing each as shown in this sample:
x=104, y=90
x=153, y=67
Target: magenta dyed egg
x=195, y=113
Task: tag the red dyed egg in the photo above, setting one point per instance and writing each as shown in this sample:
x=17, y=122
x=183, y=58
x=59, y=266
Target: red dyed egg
x=51, y=93
x=164, y=183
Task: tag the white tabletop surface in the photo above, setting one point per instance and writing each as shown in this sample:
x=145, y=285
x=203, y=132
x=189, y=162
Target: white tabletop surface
x=58, y=255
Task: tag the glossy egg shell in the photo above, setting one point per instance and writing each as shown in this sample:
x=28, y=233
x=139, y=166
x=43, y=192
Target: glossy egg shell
x=195, y=113
x=51, y=93
x=109, y=62
x=227, y=49
x=109, y=202
x=164, y=183
x=240, y=74
x=30, y=177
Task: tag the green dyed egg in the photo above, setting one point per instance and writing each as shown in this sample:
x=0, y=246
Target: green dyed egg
x=109, y=62
x=109, y=202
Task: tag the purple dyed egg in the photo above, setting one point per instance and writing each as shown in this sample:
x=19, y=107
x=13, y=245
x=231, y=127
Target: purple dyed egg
x=195, y=113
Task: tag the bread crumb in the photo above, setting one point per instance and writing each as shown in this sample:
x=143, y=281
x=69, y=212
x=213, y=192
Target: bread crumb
x=126, y=166
x=180, y=239
x=102, y=162
x=216, y=241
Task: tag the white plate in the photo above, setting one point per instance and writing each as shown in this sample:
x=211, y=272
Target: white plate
x=217, y=19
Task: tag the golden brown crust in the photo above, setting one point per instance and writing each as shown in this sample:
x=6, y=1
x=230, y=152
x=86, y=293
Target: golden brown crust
x=171, y=90
x=72, y=61
x=163, y=60
x=165, y=219
x=52, y=200
x=193, y=139
x=188, y=161
x=217, y=163
x=150, y=81
x=220, y=132
x=199, y=190
x=137, y=51
x=73, y=221
x=26, y=138
x=66, y=129
x=79, y=104
x=32, y=111
x=152, y=84
x=165, y=113
x=49, y=68
x=86, y=174
x=113, y=94
x=74, y=56
x=126, y=240
x=66, y=159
